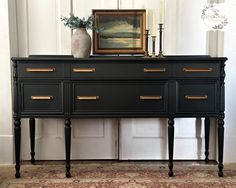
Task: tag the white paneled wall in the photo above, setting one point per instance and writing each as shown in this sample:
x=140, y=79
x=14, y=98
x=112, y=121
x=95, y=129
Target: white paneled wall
x=143, y=139
x=6, y=137
x=40, y=31
x=191, y=35
x=183, y=34
x=230, y=84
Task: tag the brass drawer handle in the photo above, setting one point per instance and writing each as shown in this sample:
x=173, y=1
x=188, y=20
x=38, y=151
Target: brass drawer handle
x=154, y=69
x=40, y=69
x=150, y=97
x=41, y=97
x=196, y=97
x=197, y=69
x=87, y=97
x=84, y=70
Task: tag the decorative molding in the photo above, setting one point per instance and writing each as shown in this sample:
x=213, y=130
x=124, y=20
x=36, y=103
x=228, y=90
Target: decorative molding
x=27, y=27
x=178, y=25
x=71, y=11
x=57, y=24
x=118, y=4
x=13, y=28
x=71, y=7
x=22, y=27
x=60, y=129
x=117, y=139
x=98, y=125
x=154, y=135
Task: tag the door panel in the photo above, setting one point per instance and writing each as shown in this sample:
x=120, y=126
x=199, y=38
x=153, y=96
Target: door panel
x=147, y=139
x=143, y=138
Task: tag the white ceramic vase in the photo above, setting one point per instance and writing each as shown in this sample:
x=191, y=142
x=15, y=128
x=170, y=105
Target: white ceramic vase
x=81, y=43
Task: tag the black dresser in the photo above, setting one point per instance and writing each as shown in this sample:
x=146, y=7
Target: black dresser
x=66, y=87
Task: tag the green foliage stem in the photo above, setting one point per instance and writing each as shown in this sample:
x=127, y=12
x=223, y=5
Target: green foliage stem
x=75, y=22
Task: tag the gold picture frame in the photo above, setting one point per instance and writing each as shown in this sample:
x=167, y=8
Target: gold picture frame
x=121, y=31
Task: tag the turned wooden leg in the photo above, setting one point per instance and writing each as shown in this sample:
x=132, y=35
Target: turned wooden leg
x=207, y=134
x=32, y=139
x=17, y=132
x=68, y=145
x=171, y=145
x=220, y=144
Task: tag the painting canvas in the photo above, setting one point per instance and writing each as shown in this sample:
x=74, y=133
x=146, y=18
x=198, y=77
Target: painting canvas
x=121, y=31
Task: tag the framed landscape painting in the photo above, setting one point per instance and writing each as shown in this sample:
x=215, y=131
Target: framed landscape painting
x=121, y=31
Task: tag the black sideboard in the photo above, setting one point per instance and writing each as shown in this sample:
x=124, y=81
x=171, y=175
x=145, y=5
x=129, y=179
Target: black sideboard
x=67, y=87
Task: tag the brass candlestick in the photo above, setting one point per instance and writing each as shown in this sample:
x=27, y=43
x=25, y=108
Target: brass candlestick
x=153, y=46
x=146, y=47
x=160, y=55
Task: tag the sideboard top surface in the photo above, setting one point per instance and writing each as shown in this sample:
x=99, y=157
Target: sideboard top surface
x=119, y=59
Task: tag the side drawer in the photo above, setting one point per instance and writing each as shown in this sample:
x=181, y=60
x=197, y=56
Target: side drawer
x=40, y=70
x=119, y=71
x=197, y=97
x=42, y=98
x=119, y=98
x=198, y=70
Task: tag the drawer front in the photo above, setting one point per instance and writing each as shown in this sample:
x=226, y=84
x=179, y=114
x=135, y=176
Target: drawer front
x=120, y=71
x=197, y=97
x=120, y=98
x=42, y=97
x=198, y=70
x=40, y=70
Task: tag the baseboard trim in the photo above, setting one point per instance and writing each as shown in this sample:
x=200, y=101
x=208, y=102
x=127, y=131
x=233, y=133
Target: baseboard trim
x=6, y=151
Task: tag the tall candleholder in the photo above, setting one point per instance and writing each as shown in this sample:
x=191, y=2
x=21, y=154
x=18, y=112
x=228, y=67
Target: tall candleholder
x=146, y=54
x=153, y=46
x=160, y=55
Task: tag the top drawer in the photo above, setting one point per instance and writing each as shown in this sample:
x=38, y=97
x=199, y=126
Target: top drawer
x=40, y=70
x=198, y=70
x=119, y=71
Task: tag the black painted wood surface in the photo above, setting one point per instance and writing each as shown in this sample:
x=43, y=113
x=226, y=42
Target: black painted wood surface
x=171, y=87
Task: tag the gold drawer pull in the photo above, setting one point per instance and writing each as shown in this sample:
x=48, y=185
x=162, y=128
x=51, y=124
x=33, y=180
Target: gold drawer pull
x=87, y=97
x=197, y=69
x=40, y=69
x=154, y=69
x=150, y=97
x=84, y=70
x=41, y=97
x=196, y=97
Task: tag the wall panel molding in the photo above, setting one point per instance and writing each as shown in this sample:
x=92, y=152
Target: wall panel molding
x=22, y=27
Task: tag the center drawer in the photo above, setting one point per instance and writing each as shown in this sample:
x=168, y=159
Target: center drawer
x=120, y=71
x=120, y=98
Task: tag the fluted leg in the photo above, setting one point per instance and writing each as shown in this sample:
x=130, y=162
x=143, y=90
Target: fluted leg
x=32, y=139
x=68, y=145
x=220, y=144
x=171, y=145
x=17, y=132
x=207, y=134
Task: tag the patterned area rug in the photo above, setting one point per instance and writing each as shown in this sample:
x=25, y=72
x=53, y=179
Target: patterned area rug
x=118, y=175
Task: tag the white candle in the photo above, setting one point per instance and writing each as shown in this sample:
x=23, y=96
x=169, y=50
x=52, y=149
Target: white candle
x=154, y=23
x=161, y=11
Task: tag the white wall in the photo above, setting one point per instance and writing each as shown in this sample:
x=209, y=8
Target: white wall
x=230, y=84
x=6, y=136
x=179, y=32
